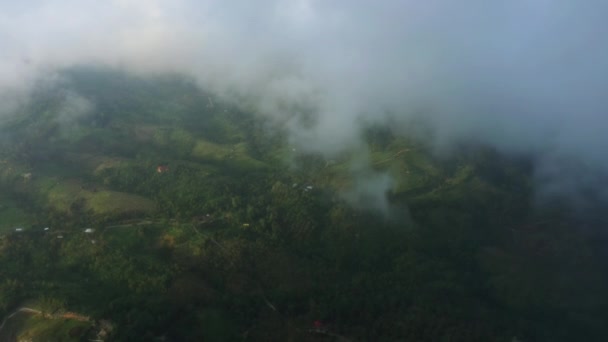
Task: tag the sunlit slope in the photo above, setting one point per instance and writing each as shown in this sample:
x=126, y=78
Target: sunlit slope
x=80, y=149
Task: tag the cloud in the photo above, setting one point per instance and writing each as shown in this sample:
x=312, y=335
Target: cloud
x=527, y=77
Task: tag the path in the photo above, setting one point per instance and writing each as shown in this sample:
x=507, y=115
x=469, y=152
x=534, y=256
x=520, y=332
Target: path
x=65, y=315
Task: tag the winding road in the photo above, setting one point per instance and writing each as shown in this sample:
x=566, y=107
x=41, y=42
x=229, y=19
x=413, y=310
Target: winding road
x=23, y=309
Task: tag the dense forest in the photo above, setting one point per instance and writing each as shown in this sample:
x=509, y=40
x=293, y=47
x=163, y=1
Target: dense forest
x=147, y=209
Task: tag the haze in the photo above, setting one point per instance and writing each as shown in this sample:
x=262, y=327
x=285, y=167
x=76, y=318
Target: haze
x=526, y=77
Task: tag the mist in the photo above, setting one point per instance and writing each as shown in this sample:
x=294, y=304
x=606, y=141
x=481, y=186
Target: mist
x=525, y=77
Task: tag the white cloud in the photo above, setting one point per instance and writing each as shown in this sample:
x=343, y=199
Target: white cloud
x=524, y=76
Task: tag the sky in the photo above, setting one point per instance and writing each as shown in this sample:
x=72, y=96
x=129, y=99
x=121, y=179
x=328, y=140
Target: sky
x=523, y=76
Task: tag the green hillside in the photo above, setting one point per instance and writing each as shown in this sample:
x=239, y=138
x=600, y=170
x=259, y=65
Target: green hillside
x=175, y=215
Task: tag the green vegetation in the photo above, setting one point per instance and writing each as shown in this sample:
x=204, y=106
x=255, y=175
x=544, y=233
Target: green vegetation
x=198, y=230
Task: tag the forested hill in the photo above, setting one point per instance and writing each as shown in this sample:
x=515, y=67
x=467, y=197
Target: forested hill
x=159, y=211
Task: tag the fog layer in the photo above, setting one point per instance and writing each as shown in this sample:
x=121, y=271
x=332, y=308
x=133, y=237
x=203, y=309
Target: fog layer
x=527, y=77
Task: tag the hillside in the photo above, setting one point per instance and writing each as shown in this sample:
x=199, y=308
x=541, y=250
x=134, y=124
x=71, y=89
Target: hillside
x=172, y=214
